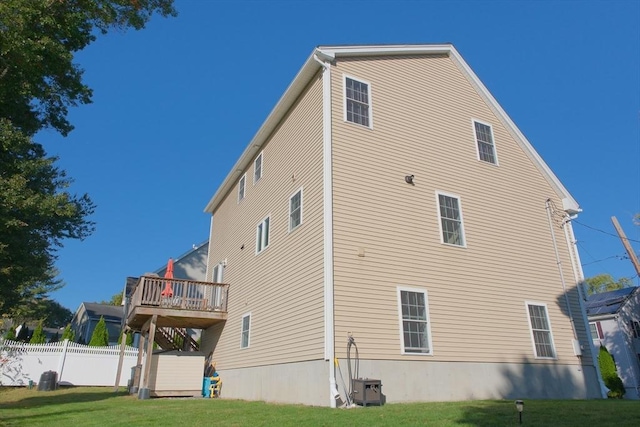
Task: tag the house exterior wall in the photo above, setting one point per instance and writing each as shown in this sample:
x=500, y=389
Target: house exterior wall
x=386, y=235
x=387, y=232
x=282, y=286
x=192, y=265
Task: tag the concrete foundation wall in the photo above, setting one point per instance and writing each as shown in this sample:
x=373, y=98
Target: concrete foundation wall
x=413, y=381
x=454, y=381
x=304, y=383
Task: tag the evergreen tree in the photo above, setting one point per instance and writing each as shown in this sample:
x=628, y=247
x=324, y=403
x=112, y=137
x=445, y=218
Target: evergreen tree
x=610, y=374
x=100, y=336
x=129, y=340
x=68, y=333
x=11, y=334
x=38, y=336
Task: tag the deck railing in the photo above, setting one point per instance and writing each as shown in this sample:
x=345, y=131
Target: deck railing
x=179, y=294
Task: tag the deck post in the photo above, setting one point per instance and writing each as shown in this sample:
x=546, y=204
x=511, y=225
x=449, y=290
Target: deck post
x=143, y=393
x=123, y=344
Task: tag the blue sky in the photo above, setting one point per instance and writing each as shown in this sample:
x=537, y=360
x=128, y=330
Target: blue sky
x=176, y=104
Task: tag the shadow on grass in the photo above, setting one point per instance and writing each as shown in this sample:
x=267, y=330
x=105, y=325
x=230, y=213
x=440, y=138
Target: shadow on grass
x=62, y=396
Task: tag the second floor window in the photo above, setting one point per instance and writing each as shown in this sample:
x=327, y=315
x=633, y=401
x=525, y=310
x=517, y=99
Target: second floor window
x=357, y=99
x=451, y=220
x=262, y=235
x=295, y=210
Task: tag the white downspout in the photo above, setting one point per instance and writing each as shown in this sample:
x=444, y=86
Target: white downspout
x=576, y=265
x=559, y=263
x=327, y=175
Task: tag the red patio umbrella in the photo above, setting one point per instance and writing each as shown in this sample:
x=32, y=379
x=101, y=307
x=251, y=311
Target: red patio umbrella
x=168, y=291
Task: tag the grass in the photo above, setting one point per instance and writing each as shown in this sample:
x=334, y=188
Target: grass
x=96, y=406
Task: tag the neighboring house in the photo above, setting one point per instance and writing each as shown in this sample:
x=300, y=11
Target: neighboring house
x=87, y=317
x=614, y=319
x=191, y=265
x=388, y=197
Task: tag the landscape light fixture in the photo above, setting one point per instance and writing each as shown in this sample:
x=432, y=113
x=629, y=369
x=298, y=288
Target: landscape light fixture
x=520, y=408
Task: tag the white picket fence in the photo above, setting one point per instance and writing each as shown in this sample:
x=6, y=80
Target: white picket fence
x=76, y=364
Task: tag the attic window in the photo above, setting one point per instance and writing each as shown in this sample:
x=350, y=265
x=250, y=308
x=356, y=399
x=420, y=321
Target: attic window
x=357, y=102
x=484, y=141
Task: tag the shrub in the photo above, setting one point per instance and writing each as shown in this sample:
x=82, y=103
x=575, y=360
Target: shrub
x=68, y=333
x=11, y=334
x=100, y=336
x=610, y=374
x=38, y=335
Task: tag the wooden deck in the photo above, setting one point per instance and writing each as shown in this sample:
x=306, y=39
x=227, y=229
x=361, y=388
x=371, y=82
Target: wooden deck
x=177, y=303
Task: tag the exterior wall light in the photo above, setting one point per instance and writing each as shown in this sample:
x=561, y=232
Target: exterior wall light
x=409, y=179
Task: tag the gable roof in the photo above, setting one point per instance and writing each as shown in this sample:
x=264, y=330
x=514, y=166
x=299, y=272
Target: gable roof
x=608, y=302
x=110, y=312
x=331, y=53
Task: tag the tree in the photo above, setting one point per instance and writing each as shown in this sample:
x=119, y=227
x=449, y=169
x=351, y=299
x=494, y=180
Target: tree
x=36, y=214
x=38, y=336
x=100, y=336
x=51, y=312
x=38, y=83
x=610, y=374
x=129, y=339
x=68, y=333
x=605, y=283
x=38, y=79
x=115, y=300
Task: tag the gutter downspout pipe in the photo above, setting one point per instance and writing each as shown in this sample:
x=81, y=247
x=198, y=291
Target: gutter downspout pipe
x=327, y=179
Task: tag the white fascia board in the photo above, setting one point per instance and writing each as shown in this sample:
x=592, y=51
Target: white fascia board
x=570, y=205
x=296, y=87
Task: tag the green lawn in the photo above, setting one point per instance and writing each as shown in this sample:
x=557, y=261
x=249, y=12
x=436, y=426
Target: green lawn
x=95, y=406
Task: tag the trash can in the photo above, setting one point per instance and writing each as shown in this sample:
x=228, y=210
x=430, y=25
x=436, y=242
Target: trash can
x=135, y=378
x=48, y=381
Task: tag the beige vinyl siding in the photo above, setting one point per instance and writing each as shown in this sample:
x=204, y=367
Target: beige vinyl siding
x=422, y=124
x=282, y=287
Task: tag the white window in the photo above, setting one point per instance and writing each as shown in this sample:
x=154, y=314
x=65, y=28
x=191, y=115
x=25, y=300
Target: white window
x=246, y=328
x=357, y=102
x=295, y=210
x=241, y=187
x=540, y=331
x=415, y=326
x=257, y=168
x=262, y=235
x=450, y=214
x=594, y=331
x=484, y=141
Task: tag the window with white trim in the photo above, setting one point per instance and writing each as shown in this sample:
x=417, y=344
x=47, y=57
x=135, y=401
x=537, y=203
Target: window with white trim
x=484, y=142
x=295, y=210
x=450, y=219
x=357, y=102
x=242, y=187
x=414, y=321
x=262, y=235
x=595, y=331
x=246, y=328
x=541, y=331
x=257, y=168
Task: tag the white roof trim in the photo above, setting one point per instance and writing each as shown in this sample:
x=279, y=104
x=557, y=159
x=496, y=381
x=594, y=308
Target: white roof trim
x=311, y=67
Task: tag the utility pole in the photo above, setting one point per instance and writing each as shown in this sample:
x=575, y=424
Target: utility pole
x=627, y=246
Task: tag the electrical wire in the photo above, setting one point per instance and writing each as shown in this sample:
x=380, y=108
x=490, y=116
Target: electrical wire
x=602, y=231
x=620, y=257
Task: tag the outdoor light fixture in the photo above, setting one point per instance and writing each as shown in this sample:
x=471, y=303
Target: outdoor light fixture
x=409, y=179
x=520, y=408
